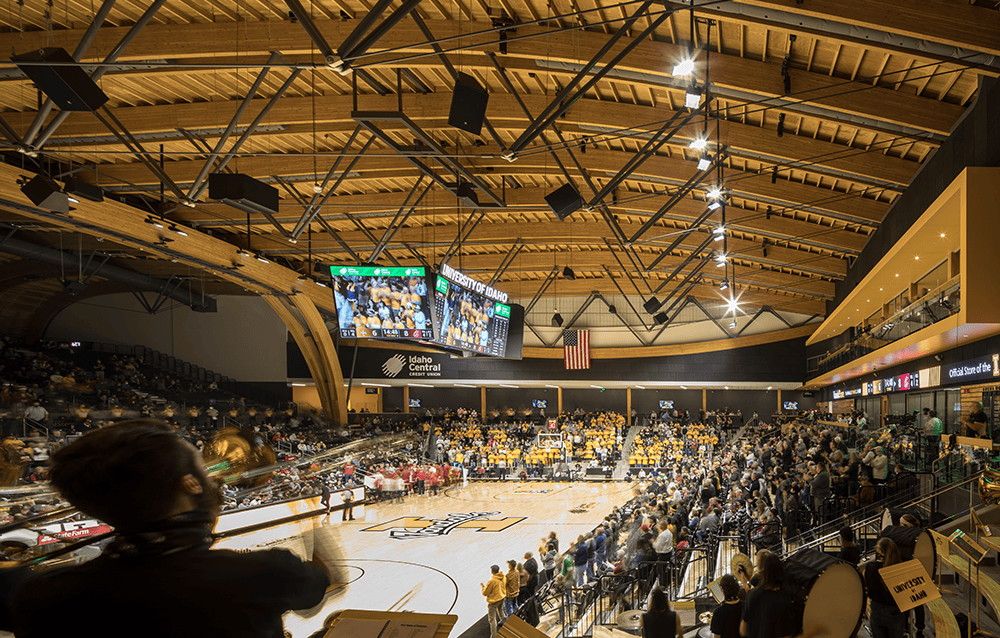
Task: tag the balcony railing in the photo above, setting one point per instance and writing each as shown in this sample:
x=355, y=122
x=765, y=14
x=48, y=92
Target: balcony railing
x=932, y=307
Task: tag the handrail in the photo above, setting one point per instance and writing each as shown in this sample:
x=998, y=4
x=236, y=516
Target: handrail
x=822, y=540
x=35, y=425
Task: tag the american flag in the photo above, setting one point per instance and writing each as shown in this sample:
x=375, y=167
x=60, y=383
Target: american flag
x=576, y=349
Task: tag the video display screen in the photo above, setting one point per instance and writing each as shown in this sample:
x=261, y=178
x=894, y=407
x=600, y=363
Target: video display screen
x=666, y=405
x=539, y=403
x=791, y=405
x=469, y=315
x=414, y=403
x=381, y=303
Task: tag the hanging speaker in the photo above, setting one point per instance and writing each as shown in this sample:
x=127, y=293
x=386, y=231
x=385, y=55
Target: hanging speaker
x=45, y=193
x=58, y=75
x=468, y=105
x=564, y=201
x=652, y=305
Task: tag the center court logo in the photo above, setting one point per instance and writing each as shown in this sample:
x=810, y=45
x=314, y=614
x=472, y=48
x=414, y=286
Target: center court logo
x=393, y=365
x=410, y=527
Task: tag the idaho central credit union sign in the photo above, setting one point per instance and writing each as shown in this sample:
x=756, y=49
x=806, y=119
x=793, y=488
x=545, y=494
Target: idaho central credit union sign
x=413, y=365
x=411, y=527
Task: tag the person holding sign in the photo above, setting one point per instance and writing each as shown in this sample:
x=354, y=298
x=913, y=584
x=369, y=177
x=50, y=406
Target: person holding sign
x=885, y=619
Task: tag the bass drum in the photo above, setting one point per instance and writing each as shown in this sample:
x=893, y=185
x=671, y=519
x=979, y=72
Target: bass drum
x=914, y=542
x=829, y=594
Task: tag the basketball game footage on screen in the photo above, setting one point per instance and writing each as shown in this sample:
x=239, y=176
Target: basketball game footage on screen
x=382, y=303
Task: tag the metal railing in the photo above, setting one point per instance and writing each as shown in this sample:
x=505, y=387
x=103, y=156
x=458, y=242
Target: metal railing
x=36, y=427
x=930, y=308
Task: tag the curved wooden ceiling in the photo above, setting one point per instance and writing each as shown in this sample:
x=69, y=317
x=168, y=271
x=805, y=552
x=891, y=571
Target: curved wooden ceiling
x=874, y=87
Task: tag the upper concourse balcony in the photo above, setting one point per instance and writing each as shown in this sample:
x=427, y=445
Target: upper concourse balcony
x=935, y=289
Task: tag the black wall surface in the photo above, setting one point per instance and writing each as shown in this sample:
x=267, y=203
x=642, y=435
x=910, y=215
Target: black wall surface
x=974, y=142
x=593, y=400
x=445, y=397
x=776, y=362
x=645, y=401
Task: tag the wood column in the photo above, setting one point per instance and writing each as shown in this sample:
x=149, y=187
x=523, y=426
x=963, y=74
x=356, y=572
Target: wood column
x=777, y=409
x=628, y=405
x=406, y=398
x=305, y=324
x=482, y=402
x=704, y=399
x=559, y=390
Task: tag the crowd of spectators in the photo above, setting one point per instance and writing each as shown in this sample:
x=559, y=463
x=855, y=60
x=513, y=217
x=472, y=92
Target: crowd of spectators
x=498, y=449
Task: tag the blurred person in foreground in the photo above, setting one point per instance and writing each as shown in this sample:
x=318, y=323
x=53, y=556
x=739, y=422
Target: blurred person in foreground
x=159, y=576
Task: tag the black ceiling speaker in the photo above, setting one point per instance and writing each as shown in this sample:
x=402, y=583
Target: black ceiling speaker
x=79, y=188
x=46, y=193
x=660, y=318
x=57, y=74
x=468, y=105
x=243, y=192
x=564, y=201
x=568, y=273
x=652, y=305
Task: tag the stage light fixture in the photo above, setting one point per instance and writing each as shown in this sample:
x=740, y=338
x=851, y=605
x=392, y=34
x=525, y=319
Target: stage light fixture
x=732, y=325
x=698, y=143
x=781, y=124
x=724, y=284
x=692, y=98
x=175, y=229
x=612, y=309
x=719, y=232
x=557, y=320
x=704, y=162
x=717, y=204
x=720, y=260
x=261, y=259
x=715, y=193
x=684, y=68
x=154, y=222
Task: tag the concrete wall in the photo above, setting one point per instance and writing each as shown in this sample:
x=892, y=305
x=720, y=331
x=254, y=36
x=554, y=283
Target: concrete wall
x=244, y=340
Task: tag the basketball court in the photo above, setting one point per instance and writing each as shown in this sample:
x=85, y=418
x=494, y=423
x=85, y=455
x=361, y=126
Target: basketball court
x=431, y=553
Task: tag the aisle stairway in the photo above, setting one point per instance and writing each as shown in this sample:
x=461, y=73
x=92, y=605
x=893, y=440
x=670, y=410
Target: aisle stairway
x=621, y=468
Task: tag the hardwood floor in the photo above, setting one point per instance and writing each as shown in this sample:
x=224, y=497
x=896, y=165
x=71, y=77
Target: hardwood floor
x=430, y=553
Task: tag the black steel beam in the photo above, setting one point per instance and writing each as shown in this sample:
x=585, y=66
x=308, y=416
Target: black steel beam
x=395, y=225
x=709, y=315
x=515, y=249
x=378, y=32
x=752, y=319
x=627, y=300
x=541, y=291
x=98, y=73
x=569, y=94
x=336, y=237
x=368, y=120
x=303, y=18
x=652, y=145
x=311, y=209
x=678, y=195
x=140, y=153
x=451, y=71
x=573, y=319
x=363, y=26
x=680, y=266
